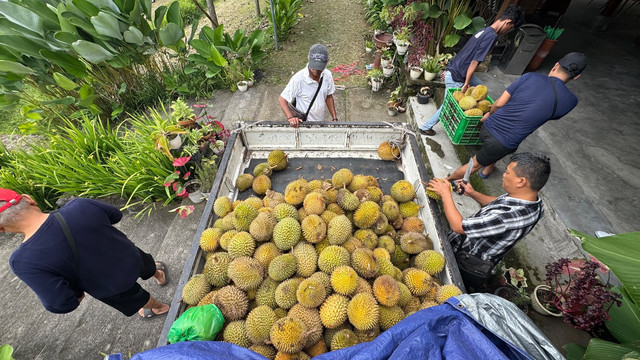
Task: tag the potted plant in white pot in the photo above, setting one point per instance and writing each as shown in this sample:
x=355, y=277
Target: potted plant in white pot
x=430, y=66
x=368, y=46
x=375, y=77
x=402, y=40
x=242, y=86
x=388, y=70
x=387, y=57
x=415, y=71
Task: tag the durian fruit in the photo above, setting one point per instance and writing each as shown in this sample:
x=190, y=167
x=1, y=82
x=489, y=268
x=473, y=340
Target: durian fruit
x=447, y=291
x=341, y=178
x=363, y=286
x=413, y=223
x=277, y=159
x=286, y=233
x=457, y=95
x=296, y=191
x=195, y=289
x=328, y=215
x=261, y=184
x=272, y=198
x=473, y=112
x=314, y=229
x=390, y=209
x=484, y=105
x=215, y=269
x=244, y=181
x=286, y=293
x=262, y=169
x=402, y=191
x=227, y=222
x=387, y=243
x=236, y=333
x=430, y=261
x=363, y=312
x=388, y=152
x=415, y=242
x=351, y=244
x=232, y=302
x=258, y=324
x=311, y=293
x=324, y=279
x=284, y=210
x=241, y=244
x=358, y=182
x=432, y=194
x=479, y=92
x=266, y=293
x=283, y=267
x=318, y=348
x=467, y=102
x=364, y=264
x=469, y=91
x=342, y=339
x=332, y=257
x=382, y=253
x=366, y=214
x=333, y=311
x=405, y=295
x=418, y=281
x=209, y=239
x=339, y=230
x=347, y=200
x=267, y=351
x=222, y=206
x=265, y=253
x=315, y=184
x=368, y=237
x=400, y=258
x=288, y=335
x=408, y=209
x=344, y=280
x=375, y=194
x=243, y=215
x=254, y=201
x=367, y=335
x=389, y=316
x=262, y=226
x=311, y=319
x=207, y=299
x=246, y=273
x=413, y=306
x=427, y=304
x=334, y=207
x=314, y=203
x=386, y=290
x=328, y=333
x=306, y=257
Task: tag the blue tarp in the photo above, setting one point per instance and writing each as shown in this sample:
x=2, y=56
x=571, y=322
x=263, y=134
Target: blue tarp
x=440, y=332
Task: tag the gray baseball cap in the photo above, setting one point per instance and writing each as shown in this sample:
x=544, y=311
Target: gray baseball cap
x=318, y=57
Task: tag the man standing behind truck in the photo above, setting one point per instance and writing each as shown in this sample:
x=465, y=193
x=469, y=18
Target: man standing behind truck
x=459, y=73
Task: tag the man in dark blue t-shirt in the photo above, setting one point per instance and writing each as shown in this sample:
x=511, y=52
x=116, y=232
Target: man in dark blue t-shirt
x=77, y=250
x=523, y=107
x=459, y=73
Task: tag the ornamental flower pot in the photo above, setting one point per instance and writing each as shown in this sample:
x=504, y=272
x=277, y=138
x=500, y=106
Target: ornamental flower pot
x=538, y=304
x=388, y=70
x=242, y=86
x=402, y=47
x=424, y=94
x=415, y=72
x=194, y=188
x=392, y=110
x=175, y=140
x=376, y=84
x=429, y=76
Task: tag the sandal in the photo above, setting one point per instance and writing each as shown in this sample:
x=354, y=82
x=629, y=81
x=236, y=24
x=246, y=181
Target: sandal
x=148, y=313
x=428, y=132
x=482, y=175
x=162, y=267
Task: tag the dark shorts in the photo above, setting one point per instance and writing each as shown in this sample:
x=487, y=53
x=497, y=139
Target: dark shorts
x=492, y=149
x=130, y=301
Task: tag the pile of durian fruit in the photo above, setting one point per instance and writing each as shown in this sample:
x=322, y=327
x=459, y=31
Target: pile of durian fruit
x=474, y=101
x=323, y=266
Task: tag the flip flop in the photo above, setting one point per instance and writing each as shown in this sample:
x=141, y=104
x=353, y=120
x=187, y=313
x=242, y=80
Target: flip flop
x=148, y=314
x=483, y=176
x=163, y=267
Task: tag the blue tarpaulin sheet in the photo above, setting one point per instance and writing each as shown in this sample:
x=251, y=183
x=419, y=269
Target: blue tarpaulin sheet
x=440, y=332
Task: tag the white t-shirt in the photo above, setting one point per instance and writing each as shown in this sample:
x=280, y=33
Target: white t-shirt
x=302, y=88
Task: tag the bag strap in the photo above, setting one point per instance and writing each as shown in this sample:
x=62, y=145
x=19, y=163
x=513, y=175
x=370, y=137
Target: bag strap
x=67, y=234
x=555, y=96
x=314, y=97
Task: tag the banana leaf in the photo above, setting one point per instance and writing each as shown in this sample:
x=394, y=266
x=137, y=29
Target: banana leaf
x=605, y=350
x=624, y=322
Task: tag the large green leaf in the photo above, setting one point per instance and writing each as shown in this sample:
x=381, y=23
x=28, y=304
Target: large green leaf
x=64, y=82
x=46, y=13
x=146, y=8
x=5, y=352
x=173, y=14
x=106, y=24
x=14, y=67
x=624, y=322
x=621, y=253
x=451, y=40
x=158, y=16
x=21, y=16
x=67, y=37
x=86, y=7
x=170, y=34
x=69, y=63
x=217, y=58
x=67, y=100
x=574, y=351
x=202, y=47
x=23, y=45
x=606, y=350
x=461, y=21
x=133, y=36
x=91, y=52
x=65, y=25
x=106, y=4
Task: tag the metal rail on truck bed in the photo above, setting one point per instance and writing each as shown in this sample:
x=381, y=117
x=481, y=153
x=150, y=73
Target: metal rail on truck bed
x=316, y=152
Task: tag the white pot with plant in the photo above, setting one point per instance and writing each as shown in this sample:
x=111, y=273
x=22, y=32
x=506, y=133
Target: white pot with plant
x=248, y=77
x=368, y=46
x=375, y=77
x=430, y=66
x=194, y=189
x=401, y=40
x=388, y=70
x=415, y=72
x=175, y=140
x=242, y=86
x=392, y=110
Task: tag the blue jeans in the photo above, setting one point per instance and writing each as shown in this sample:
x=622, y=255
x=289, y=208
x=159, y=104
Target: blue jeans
x=448, y=83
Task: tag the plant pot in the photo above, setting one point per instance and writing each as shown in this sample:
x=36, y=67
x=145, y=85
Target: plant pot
x=429, y=76
x=541, y=54
x=388, y=70
x=401, y=108
x=187, y=124
x=392, y=110
x=368, y=50
x=402, y=48
x=537, y=305
x=242, y=86
x=175, y=142
x=415, y=72
x=384, y=62
x=194, y=188
x=512, y=294
x=376, y=84
x=422, y=99
x=382, y=39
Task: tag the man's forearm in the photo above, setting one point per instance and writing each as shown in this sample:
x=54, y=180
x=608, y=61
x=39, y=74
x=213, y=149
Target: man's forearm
x=470, y=70
x=284, y=105
x=453, y=215
x=481, y=198
x=331, y=106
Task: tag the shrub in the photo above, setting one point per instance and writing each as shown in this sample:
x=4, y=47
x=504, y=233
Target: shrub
x=286, y=16
x=190, y=12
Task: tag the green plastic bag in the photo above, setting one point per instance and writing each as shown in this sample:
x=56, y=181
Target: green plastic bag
x=198, y=323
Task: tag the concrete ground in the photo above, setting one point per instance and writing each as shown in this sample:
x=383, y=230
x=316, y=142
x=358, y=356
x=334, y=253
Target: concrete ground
x=594, y=185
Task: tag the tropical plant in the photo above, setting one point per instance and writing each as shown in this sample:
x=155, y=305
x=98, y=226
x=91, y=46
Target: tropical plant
x=375, y=74
x=621, y=254
x=286, y=14
x=402, y=36
x=395, y=97
x=430, y=64
x=190, y=12
x=552, y=33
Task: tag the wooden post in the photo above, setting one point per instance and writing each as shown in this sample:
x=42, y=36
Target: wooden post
x=257, y=8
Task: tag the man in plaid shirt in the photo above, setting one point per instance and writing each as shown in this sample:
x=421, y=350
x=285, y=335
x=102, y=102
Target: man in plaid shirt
x=502, y=221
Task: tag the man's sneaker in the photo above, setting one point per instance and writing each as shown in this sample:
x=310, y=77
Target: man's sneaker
x=428, y=132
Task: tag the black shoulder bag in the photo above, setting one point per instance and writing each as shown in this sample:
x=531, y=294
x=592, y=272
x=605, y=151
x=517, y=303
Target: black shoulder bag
x=67, y=234
x=555, y=97
x=299, y=114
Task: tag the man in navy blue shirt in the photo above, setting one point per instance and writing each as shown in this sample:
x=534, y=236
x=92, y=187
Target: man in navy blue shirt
x=526, y=105
x=459, y=73
x=76, y=251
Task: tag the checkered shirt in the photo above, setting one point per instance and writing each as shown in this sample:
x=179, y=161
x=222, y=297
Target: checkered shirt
x=496, y=228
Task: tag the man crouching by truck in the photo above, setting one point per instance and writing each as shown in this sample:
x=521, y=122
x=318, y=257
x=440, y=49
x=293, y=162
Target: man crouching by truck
x=480, y=241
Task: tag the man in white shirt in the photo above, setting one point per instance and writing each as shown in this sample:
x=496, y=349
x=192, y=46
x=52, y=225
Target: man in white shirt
x=302, y=88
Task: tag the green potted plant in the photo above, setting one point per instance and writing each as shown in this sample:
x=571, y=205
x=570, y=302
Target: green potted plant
x=552, y=35
x=182, y=113
x=431, y=67
x=368, y=46
x=402, y=40
x=375, y=77
x=513, y=287
x=424, y=94
x=248, y=77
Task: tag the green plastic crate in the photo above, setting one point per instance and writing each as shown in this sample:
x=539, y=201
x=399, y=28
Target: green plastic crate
x=460, y=128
